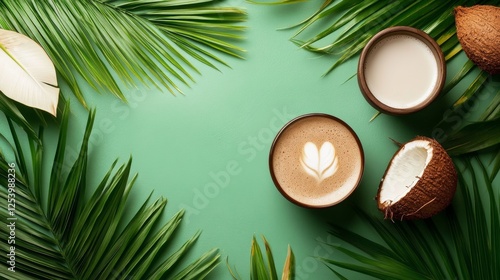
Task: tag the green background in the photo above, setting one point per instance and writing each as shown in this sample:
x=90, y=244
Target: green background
x=207, y=150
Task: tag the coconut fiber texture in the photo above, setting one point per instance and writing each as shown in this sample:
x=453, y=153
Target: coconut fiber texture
x=432, y=193
x=478, y=30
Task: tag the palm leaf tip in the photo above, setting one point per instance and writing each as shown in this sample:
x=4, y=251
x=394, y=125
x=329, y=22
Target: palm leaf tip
x=271, y=267
x=289, y=267
x=263, y=267
x=234, y=274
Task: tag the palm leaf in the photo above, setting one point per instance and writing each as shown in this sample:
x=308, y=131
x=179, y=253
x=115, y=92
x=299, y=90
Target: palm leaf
x=258, y=269
x=60, y=234
x=496, y=165
x=271, y=267
x=474, y=137
x=289, y=267
x=342, y=28
x=493, y=110
x=454, y=245
x=12, y=109
x=263, y=268
x=477, y=135
x=148, y=42
x=469, y=65
x=349, y=23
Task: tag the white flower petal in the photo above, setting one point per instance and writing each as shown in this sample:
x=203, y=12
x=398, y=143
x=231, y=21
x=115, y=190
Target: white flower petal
x=27, y=75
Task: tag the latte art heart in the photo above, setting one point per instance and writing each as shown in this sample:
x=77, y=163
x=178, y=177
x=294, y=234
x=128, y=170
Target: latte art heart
x=319, y=163
x=316, y=160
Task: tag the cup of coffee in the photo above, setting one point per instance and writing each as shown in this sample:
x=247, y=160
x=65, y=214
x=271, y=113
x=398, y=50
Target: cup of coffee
x=316, y=160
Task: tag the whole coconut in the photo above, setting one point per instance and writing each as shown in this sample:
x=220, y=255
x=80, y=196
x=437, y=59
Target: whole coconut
x=478, y=30
x=419, y=182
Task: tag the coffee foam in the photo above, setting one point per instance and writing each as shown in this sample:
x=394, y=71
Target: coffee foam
x=296, y=182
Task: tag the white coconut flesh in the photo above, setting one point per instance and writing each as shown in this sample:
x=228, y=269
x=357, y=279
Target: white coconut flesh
x=405, y=171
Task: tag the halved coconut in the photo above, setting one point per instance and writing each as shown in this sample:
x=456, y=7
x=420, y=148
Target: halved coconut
x=420, y=181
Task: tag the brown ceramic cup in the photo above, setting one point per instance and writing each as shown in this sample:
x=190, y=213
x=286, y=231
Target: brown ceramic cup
x=316, y=160
x=377, y=42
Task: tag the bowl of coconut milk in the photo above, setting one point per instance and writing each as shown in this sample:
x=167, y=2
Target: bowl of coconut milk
x=401, y=70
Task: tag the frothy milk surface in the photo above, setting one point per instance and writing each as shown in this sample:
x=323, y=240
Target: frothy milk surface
x=294, y=157
x=401, y=71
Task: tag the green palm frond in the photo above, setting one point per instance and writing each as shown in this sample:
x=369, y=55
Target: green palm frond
x=496, y=165
x=342, y=28
x=473, y=137
x=60, y=232
x=152, y=42
x=459, y=244
x=276, y=2
x=13, y=110
x=264, y=268
x=478, y=135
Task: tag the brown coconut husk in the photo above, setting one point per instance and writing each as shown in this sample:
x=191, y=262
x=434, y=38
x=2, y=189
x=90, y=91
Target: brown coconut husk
x=478, y=31
x=432, y=193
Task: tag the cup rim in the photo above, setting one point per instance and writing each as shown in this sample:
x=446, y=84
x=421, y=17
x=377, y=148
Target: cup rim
x=273, y=146
x=416, y=33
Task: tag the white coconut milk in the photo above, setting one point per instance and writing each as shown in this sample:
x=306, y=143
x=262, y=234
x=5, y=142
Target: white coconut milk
x=401, y=71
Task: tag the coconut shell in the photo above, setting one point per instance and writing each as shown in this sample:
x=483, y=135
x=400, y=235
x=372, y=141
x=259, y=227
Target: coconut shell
x=478, y=30
x=431, y=194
